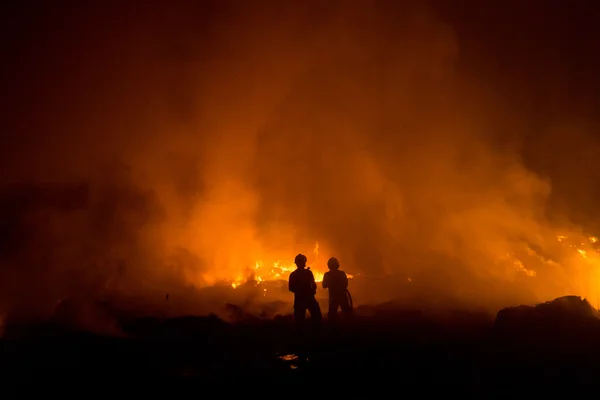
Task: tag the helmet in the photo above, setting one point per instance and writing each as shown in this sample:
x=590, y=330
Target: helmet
x=333, y=263
x=300, y=260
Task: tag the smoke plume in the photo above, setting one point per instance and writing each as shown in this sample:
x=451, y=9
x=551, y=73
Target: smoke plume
x=165, y=149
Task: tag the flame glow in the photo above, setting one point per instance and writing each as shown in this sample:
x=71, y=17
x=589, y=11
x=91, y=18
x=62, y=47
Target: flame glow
x=266, y=271
x=575, y=255
x=581, y=254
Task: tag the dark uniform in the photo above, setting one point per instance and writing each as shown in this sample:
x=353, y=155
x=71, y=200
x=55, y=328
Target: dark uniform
x=336, y=281
x=302, y=284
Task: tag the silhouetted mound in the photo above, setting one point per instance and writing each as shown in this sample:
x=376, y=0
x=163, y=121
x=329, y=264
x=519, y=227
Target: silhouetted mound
x=79, y=314
x=564, y=322
x=560, y=338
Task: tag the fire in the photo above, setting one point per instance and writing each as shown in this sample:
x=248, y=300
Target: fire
x=579, y=259
x=274, y=271
x=585, y=254
x=521, y=268
x=561, y=238
x=264, y=271
x=576, y=255
x=518, y=264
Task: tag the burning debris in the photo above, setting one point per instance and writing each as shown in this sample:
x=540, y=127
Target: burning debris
x=527, y=260
x=263, y=272
x=576, y=255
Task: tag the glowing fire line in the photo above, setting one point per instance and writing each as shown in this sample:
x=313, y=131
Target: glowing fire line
x=277, y=270
x=270, y=271
x=584, y=263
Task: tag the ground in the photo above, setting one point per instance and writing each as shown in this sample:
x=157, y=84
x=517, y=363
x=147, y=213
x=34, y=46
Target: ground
x=391, y=345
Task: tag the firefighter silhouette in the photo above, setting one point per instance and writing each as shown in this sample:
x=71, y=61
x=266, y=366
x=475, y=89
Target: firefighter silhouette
x=302, y=284
x=337, y=282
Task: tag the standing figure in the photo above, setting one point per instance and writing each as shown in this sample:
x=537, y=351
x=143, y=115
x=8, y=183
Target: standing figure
x=302, y=284
x=337, y=282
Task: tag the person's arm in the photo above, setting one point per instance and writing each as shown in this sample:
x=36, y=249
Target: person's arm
x=345, y=281
x=292, y=284
x=326, y=280
x=313, y=283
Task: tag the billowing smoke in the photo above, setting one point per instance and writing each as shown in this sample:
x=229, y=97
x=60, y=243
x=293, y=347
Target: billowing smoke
x=163, y=150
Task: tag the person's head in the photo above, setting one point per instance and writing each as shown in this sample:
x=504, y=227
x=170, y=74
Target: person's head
x=333, y=264
x=300, y=261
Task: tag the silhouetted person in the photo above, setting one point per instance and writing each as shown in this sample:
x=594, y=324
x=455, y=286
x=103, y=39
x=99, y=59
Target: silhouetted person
x=337, y=282
x=302, y=284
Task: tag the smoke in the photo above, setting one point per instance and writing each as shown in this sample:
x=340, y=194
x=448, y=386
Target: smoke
x=199, y=139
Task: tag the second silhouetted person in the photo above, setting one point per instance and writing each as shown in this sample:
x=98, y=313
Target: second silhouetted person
x=336, y=281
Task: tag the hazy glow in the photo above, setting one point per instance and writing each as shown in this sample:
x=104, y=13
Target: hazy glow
x=217, y=149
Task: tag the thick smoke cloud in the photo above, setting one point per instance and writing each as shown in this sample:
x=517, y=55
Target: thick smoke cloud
x=185, y=143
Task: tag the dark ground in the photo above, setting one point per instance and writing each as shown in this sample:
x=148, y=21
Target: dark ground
x=558, y=342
